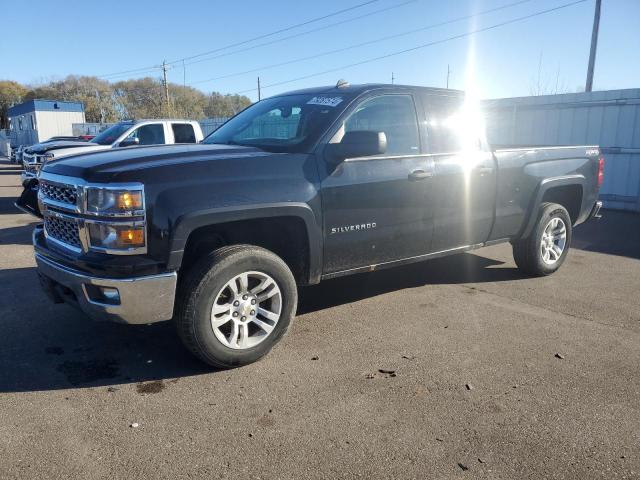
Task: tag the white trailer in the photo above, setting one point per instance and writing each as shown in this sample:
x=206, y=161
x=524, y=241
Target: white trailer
x=35, y=121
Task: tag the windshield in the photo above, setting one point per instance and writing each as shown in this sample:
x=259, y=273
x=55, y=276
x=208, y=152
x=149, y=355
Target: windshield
x=111, y=134
x=291, y=123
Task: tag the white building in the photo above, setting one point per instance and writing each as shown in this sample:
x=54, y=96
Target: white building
x=37, y=120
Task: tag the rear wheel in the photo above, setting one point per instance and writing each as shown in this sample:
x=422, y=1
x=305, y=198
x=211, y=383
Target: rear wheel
x=546, y=248
x=235, y=304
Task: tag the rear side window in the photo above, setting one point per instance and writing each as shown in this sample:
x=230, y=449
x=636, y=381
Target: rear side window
x=450, y=127
x=395, y=115
x=183, y=133
x=152, y=134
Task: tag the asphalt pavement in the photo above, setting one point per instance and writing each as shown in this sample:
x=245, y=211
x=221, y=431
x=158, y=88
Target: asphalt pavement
x=459, y=367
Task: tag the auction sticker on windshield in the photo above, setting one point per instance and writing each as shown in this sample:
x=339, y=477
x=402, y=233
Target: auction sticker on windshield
x=325, y=101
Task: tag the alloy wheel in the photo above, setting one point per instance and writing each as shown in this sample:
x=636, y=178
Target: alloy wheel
x=554, y=240
x=246, y=310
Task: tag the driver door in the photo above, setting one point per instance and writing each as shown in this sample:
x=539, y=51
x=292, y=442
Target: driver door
x=376, y=209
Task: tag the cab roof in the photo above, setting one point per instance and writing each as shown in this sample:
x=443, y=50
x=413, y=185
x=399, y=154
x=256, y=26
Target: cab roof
x=366, y=87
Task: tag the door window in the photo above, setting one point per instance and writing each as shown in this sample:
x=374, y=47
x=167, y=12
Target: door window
x=395, y=115
x=152, y=134
x=183, y=133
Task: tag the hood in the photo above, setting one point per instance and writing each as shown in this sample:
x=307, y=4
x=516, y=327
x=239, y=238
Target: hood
x=137, y=163
x=57, y=145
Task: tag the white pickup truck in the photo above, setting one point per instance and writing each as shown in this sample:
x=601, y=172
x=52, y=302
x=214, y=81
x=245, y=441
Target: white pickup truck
x=122, y=134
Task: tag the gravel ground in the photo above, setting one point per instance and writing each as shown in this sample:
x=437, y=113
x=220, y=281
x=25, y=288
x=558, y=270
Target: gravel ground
x=494, y=376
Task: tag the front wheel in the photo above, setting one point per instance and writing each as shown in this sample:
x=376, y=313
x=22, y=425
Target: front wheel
x=235, y=304
x=546, y=248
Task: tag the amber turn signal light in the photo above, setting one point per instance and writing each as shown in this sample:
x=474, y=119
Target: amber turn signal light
x=131, y=236
x=129, y=201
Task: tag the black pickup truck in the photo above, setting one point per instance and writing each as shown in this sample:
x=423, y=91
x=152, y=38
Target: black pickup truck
x=298, y=188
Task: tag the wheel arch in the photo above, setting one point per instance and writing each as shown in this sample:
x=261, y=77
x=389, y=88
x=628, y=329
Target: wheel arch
x=562, y=190
x=289, y=230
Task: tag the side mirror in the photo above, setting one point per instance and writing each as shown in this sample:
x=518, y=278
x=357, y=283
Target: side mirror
x=358, y=143
x=129, y=142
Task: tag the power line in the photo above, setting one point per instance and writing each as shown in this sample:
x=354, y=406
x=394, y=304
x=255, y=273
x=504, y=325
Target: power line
x=370, y=42
x=282, y=30
x=136, y=70
x=307, y=32
x=291, y=27
x=418, y=47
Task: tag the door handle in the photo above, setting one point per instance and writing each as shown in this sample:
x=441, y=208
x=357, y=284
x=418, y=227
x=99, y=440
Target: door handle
x=420, y=175
x=485, y=170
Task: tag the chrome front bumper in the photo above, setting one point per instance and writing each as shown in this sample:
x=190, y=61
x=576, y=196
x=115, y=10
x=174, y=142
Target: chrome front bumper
x=137, y=300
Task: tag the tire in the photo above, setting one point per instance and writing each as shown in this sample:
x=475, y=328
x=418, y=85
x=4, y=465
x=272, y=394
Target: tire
x=529, y=253
x=210, y=281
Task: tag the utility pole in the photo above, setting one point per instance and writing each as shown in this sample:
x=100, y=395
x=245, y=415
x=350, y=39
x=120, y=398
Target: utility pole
x=166, y=85
x=184, y=75
x=448, y=72
x=259, y=95
x=393, y=79
x=594, y=46
x=99, y=102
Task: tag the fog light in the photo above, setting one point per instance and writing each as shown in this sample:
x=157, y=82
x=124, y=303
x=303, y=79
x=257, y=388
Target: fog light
x=102, y=295
x=111, y=294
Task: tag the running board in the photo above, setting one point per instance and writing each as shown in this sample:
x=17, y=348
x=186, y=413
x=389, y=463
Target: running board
x=418, y=258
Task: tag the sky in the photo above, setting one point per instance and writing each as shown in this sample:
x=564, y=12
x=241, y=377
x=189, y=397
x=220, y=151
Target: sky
x=44, y=40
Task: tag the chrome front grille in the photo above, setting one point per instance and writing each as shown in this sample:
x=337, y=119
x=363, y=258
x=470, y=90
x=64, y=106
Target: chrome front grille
x=63, y=230
x=59, y=193
x=30, y=164
x=31, y=168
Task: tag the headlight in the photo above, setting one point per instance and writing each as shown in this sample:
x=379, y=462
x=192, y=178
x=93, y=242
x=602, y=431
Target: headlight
x=102, y=201
x=116, y=237
x=111, y=233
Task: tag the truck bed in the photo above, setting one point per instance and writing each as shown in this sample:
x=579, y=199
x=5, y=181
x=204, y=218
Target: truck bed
x=529, y=175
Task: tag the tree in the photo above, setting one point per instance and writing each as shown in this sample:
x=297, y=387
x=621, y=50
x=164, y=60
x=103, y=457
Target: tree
x=187, y=102
x=11, y=93
x=96, y=95
x=220, y=105
x=141, y=98
x=105, y=102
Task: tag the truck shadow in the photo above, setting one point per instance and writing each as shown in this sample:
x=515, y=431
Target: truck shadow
x=7, y=206
x=463, y=268
x=51, y=347
x=20, y=235
x=616, y=233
